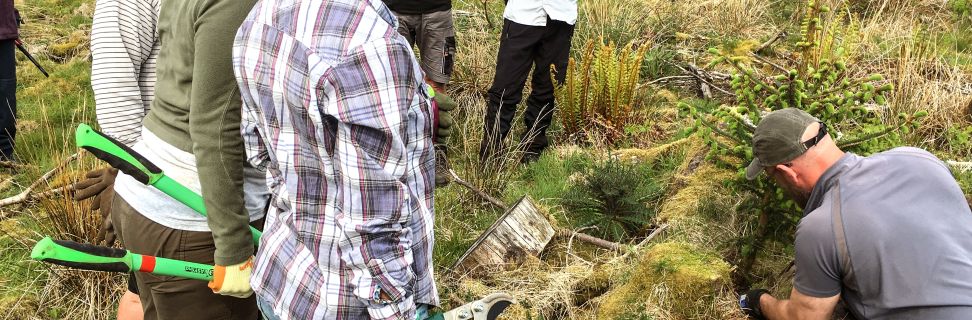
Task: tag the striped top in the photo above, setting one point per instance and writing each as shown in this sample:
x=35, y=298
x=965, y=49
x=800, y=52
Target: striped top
x=124, y=47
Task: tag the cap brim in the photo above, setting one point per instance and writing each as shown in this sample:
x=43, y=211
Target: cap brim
x=754, y=169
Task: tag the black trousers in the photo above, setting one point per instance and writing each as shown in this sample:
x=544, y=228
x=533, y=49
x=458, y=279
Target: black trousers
x=523, y=47
x=8, y=99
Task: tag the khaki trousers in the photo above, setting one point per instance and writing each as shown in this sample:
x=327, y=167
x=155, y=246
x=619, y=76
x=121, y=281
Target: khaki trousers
x=165, y=297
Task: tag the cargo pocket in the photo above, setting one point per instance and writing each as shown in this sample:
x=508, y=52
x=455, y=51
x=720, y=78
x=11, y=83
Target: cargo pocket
x=449, y=56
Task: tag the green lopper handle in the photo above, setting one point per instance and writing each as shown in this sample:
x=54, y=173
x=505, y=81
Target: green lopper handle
x=90, y=257
x=117, y=154
x=123, y=158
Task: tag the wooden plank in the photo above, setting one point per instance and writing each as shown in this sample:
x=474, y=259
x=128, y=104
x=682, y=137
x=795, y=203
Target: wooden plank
x=520, y=231
x=481, y=238
x=525, y=237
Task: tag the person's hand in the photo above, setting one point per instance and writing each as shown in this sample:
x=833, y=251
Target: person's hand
x=749, y=303
x=99, y=183
x=233, y=280
x=445, y=104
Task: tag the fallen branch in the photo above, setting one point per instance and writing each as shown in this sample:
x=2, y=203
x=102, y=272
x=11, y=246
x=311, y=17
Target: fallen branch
x=54, y=192
x=45, y=195
x=703, y=83
x=26, y=194
x=654, y=233
x=785, y=270
x=613, y=246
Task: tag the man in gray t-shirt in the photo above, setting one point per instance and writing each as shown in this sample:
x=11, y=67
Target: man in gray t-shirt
x=890, y=234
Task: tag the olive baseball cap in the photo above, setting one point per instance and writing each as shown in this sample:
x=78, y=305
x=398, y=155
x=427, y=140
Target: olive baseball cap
x=778, y=139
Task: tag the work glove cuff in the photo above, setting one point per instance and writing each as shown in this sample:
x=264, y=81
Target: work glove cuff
x=749, y=303
x=233, y=280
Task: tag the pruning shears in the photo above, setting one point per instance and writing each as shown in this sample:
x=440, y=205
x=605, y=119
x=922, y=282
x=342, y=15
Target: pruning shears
x=126, y=160
x=98, y=258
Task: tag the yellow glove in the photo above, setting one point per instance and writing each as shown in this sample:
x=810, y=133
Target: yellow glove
x=234, y=280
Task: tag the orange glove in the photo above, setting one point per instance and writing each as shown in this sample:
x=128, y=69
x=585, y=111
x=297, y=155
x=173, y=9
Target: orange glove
x=234, y=280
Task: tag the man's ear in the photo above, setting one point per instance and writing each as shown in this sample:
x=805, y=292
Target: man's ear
x=788, y=173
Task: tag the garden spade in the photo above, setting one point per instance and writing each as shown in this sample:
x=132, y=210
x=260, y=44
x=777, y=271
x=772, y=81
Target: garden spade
x=98, y=258
x=126, y=160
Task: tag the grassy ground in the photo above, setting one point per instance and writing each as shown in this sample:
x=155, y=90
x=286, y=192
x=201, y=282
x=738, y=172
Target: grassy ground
x=923, y=47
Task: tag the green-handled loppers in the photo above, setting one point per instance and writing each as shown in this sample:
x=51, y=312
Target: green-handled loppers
x=126, y=160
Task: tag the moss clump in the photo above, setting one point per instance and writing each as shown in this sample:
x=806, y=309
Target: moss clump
x=677, y=277
x=592, y=287
x=638, y=156
x=667, y=96
x=74, y=45
x=700, y=186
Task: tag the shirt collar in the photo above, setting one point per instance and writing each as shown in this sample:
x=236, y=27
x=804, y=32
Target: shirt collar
x=829, y=178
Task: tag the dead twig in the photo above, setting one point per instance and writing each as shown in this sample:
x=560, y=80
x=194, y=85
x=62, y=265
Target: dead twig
x=704, y=83
x=779, y=36
x=486, y=14
x=490, y=199
x=670, y=78
x=44, y=195
x=654, y=233
x=766, y=61
x=12, y=165
x=54, y=192
x=644, y=242
x=785, y=270
x=26, y=194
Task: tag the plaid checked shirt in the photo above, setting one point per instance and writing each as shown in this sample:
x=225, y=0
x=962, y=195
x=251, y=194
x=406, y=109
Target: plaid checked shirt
x=335, y=108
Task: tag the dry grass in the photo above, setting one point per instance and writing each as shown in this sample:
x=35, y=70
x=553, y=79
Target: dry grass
x=44, y=291
x=899, y=42
x=543, y=291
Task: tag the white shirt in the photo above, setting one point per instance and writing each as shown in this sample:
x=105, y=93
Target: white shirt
x=535, y=12
x=181, y=167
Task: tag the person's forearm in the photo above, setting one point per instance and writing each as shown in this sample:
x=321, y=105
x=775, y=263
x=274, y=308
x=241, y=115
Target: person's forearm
x=121, y=42
x=776, y=309
x=799, y=306
x=372, y=154
x=214, y=128
x=773, y=308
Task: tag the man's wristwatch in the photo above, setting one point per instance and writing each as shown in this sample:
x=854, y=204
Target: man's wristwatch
x=749, y=303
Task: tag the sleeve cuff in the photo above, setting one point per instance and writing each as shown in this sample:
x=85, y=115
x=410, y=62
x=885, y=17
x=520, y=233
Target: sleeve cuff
x=815, y=293
x=403, y=309
x=397, y=285
x=224, y=258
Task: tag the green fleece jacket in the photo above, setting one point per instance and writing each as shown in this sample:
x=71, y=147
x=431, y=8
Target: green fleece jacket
x=197, y=109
